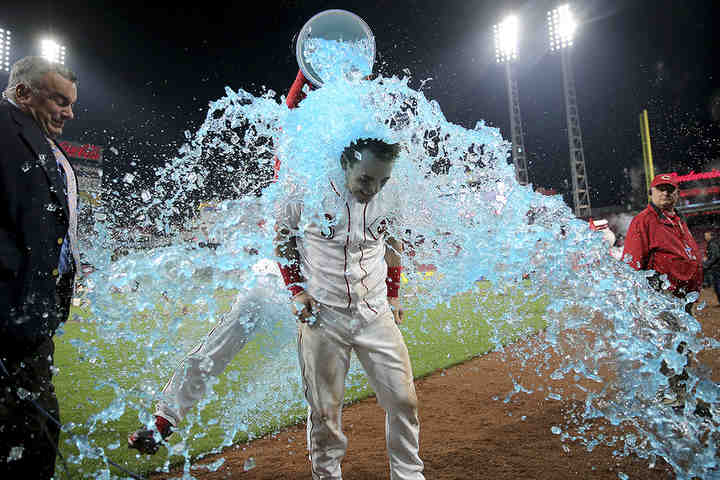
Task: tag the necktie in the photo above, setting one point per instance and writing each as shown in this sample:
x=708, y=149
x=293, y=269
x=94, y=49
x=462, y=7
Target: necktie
x=71, y=194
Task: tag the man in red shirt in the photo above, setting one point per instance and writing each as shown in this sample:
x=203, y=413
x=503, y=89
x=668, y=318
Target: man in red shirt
x=659, y=239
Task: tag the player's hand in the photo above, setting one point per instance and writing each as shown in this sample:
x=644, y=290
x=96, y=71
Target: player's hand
x=304, y=307
x=397, y=309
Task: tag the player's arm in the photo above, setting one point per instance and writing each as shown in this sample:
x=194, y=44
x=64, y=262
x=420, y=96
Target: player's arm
x=393, y=258
x=286, y=250
x=637, y=245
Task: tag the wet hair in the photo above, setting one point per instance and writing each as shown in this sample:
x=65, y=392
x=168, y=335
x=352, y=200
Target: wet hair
x=387, y=152
x=29, y=71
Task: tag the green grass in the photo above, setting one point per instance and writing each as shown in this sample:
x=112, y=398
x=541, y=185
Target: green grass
x=436, y=338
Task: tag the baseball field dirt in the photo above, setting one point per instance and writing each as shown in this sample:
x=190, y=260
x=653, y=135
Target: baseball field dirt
x=467, y=432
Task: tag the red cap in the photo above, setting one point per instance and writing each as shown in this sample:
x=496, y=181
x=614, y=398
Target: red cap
x=665, y=179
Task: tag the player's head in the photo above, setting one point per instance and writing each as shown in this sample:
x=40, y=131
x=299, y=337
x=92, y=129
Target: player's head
x=368, y=164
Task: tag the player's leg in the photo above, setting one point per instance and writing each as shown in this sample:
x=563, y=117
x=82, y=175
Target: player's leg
x=381, y=350
x=205, y=362
x=324, y=357
x=678, y=381
x=209, y=359
x=28, y=438
x=715, y=276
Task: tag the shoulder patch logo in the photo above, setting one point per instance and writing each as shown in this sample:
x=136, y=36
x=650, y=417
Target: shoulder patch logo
x=328, y=233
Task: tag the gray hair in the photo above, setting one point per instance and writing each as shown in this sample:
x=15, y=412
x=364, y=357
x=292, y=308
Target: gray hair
x=30, y=71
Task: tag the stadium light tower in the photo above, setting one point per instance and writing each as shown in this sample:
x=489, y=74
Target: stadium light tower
x=506, y=49
x=5, y=41
x=53, y=51
x=561, y=27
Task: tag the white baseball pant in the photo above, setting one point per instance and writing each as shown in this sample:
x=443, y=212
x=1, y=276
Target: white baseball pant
x=324, y=350
x=207, y=361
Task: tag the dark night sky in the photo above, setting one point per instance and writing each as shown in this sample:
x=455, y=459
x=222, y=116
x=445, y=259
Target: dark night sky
x=147, y=73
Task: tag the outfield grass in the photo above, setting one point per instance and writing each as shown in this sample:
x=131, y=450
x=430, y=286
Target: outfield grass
x=265, y=372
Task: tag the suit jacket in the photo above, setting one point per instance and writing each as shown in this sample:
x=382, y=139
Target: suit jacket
x=34, y=220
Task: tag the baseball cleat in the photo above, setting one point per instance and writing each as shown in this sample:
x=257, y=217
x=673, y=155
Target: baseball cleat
x=147, y=440
x=675, y=402
x=702, y=409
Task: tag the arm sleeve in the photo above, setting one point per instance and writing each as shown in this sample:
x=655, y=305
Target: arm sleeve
x=296, y=95
x=637, y=245
x=287, y=216
x=396, y=212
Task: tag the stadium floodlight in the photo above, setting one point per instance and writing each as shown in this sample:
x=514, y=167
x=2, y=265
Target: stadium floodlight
x=561, y=27
x=506, y=39
x=5, y=41
x=53, y=51
x=506, y=35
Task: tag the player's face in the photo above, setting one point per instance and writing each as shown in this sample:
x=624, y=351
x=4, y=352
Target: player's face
x=664, y=196
x=367, y=176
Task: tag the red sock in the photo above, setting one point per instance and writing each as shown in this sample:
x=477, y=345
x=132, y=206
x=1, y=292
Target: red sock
x=163, y=426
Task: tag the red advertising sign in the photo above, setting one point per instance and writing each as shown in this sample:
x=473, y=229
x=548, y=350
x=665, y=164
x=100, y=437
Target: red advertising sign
x=694, y=192
x=692, y=176
x=85, y=151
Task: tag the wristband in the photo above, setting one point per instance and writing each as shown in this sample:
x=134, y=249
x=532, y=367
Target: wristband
x=393, y=281
x=292, y=277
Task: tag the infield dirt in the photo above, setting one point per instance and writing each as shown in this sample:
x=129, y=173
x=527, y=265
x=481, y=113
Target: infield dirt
x=467, y=432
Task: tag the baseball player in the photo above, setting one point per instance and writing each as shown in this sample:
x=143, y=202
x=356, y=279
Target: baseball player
x=344, y=274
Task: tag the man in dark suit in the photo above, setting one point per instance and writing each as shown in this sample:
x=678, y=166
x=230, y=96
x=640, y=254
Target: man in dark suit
x=38, y=259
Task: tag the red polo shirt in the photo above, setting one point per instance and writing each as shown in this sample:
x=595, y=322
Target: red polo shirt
x=662, y=242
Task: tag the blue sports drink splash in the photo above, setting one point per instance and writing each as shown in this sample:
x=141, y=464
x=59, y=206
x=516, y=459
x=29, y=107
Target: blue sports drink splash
x=463, y=213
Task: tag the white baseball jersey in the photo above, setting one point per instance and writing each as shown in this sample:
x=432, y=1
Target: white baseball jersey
x=344, y=263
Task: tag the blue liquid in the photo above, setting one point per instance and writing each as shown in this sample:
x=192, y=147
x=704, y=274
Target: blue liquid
x=602, y=319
